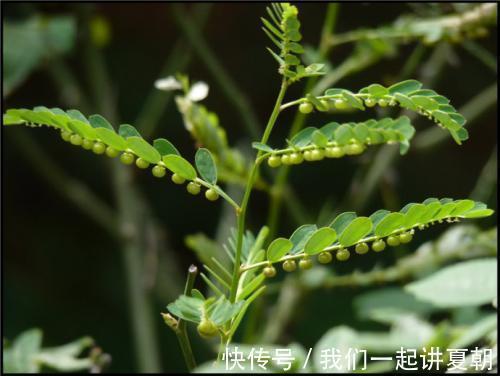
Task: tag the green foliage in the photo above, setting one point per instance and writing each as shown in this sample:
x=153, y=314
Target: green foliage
x=471, y=23
x=204, y=127
x=407, y=94
x=336, y=140
x=26, y=355
x=97, y=134
x=348, y=230
x=283, y=30
x=471, y=282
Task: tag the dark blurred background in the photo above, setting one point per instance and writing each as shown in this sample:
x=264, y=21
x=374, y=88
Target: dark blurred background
x=64, y=274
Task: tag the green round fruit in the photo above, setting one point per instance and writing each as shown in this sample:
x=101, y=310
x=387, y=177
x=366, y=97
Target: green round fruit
x=76, y=139
x=289, y=265
x=405, y=237
x=285, y=159
x=393, y=241
x=274, y=161
x=207, y=328
x=305, y=108
x=269, y=271
x=370, y=102
x=296, y=158
x=211, y=194
x=334, y=152
x=127, y=158
x=112, y=152
x=305, y=263
x=382, y=102
x=177, y=179
x=65, y=135
x=308, y=155
x=378, y=245
x=141, y=163
x=158, y=171
x=354, y=148
x=317, y=154
x=325, y=257
x=361, y=248
x=193, y=188
x=341, y=104
x=343, y=254
x=87, y=144
x=99, y=148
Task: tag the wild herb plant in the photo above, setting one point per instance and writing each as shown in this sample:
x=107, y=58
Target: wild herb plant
x=235, y=282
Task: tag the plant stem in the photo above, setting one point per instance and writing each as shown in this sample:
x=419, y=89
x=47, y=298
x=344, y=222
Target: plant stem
x=278, y=190
x=248, y=190
x=181, y=331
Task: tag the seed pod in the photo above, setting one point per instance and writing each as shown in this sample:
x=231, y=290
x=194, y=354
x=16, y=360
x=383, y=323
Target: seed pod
x=99, y=148
x=343, y=254
x=127, y=158
x=361, y=248
x=141, y=163
x=341, y=104
x=289, y=265
x=334, y=152
x=393, y=241
x=305, y=263
x=274, y=161
x=207, y=328
x=158, y=171
x=269, y=271
x=296, y=158
x=378, y=245
x=354, y=148
x=285, y=159
x=65, y=135
x=76, y=139
x=177, y=179
x=211, y=194
x=370, y=102
x=308, y=155
x=193, y=188
x=112, y=152
x=305, y=107
x=325, y=257
x=317, y=154
x=405, y=237
x=87, y=144
x=382, y=102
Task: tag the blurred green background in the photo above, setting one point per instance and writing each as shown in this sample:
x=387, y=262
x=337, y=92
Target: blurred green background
x=64, y=274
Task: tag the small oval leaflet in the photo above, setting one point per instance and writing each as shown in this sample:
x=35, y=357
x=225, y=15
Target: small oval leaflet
x=165, y=147
x=356, y=230
x=179, y=166
x=321, y=239
x=206, y=165
x=278, y=248
x=140, y=147
x=109, y=137
x=127, y=130
x=390, y=223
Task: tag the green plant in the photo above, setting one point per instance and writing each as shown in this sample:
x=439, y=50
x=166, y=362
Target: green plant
x=237, y=282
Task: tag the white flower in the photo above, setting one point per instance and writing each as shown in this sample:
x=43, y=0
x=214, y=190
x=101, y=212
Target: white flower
x=198, y=91
x=168, y=83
